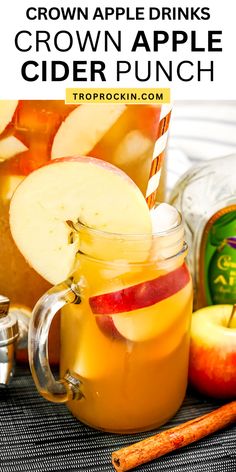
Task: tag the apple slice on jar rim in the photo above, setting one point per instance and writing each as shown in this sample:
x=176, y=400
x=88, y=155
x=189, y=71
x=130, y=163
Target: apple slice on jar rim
x=90, y=191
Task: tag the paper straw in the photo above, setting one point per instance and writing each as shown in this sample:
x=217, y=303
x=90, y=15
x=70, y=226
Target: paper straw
x=158, y=155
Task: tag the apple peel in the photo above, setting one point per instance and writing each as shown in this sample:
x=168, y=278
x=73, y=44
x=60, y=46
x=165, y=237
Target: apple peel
x=135, y=312
x=141, y=295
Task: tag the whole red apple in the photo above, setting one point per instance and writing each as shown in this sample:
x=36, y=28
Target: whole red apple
x=212, y=365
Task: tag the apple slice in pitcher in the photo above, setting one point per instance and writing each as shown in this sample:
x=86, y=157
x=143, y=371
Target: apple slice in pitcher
x=11, y=146
x=7, y=110
x=85, y=190
x=84, y=127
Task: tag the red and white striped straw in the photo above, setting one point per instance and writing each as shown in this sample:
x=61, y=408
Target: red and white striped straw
x=158, y=155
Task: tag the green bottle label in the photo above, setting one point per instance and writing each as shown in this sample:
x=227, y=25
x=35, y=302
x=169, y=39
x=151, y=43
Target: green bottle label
x=219, y=259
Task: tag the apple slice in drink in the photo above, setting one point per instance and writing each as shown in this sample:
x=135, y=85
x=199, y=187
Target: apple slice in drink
x=88, y=191
x=84, y=127
x=7, y=110
x=147, y=321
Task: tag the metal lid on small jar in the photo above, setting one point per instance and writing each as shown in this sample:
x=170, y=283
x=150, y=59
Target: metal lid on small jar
x=4, y=306
x=8, y=335
x=8, y=324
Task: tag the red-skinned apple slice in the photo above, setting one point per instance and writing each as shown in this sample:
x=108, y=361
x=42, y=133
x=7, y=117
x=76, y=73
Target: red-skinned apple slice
x=212, y=364
x=84, y=127
x=7, y=110
x=140, y=295
x=145, y=323
x=88, y=190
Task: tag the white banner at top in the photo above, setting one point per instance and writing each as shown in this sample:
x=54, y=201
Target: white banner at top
x=187, y=46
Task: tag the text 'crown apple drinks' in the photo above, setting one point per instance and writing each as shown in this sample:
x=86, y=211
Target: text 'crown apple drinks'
x=126, y=294
x=35, y=132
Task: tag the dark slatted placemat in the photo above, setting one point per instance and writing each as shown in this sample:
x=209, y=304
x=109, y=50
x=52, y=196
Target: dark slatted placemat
x=36, y=435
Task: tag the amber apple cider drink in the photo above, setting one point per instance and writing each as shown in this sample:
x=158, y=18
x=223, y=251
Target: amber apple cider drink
x=126, y=297
x=128, y=339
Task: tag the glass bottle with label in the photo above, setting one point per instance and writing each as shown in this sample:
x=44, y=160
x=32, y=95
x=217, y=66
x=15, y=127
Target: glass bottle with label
x=206, y=195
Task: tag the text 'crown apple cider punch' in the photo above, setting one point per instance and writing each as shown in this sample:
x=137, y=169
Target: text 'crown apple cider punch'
x=35, y=132
x=123, y=287
x=206, y=195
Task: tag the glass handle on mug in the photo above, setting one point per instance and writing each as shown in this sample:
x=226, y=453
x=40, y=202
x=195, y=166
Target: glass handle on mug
x=49, y=304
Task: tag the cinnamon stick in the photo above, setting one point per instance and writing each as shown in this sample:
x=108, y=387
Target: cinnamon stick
x=156, y=446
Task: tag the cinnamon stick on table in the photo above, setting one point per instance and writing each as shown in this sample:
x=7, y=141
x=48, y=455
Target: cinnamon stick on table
x=174, y=438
